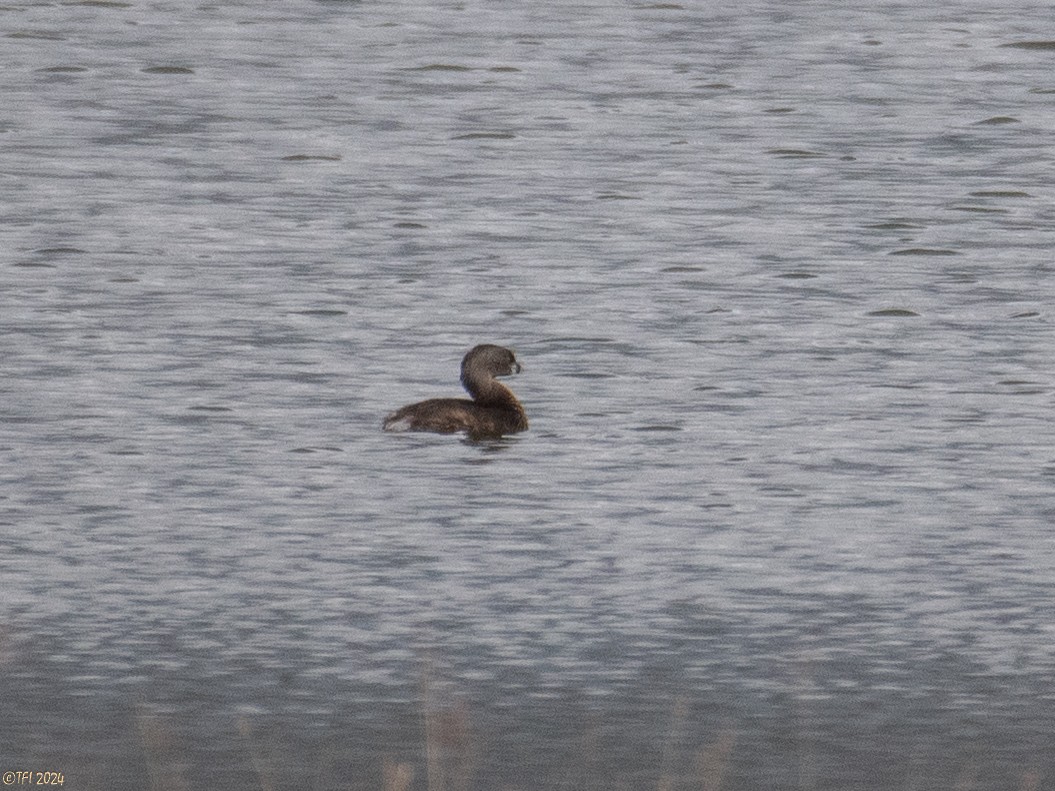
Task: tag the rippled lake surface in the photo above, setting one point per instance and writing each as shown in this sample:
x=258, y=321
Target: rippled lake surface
x=781, y=279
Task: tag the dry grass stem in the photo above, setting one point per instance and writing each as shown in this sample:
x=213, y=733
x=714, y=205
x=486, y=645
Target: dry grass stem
x=666, y=768
x=712, y=760
x=260, y=764
x=164, y=769
x=396, y=776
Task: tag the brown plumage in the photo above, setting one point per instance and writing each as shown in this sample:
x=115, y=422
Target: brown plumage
x=492, y=412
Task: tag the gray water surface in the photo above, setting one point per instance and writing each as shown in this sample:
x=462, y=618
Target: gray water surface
x=781, y=280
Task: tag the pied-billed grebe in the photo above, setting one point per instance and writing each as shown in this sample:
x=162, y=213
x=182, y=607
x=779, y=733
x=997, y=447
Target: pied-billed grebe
x=494, y=410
